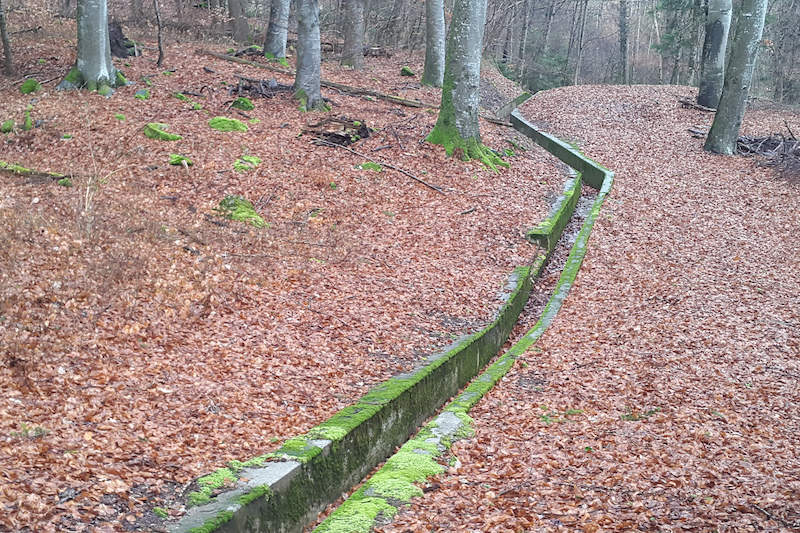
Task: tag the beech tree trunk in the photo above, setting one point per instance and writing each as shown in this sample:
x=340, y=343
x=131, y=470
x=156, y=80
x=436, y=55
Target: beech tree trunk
x=730, y=112
x=624, y=77
x=278, y=29
x=457, y=126
x=353, y=52
x=240, y=27
x=715, y=43
x=434, y=43
x=307, y=78
x=9, y=61
x=93, y=69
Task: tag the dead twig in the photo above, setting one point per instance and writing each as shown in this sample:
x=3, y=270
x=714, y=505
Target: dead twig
x=468, y=211
x=387, y=165
x=786, y=123
x=776, y=518
x=693, y=105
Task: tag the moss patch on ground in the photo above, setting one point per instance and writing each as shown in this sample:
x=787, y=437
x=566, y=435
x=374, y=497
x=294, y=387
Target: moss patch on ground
x=246, y=162
x=158, y=131
x=227, y=124
x=30, y=86
x=7, y=126
x=177, y=159
x=243, y=103
x=234, y=207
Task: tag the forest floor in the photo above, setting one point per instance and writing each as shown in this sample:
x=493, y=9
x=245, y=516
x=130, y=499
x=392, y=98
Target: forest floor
x=146, y=340
x=665, y=395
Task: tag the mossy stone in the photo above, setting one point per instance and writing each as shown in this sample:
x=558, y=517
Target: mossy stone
x=7, y=126
x=236, y=207
x=28, y=124
x=142, y=94
x=177, y=159
x=243, y=103
x=405, y=71
x=246, y=162
x=157, y=130
x=227, y=124
x=30, y=86
x=65, y=182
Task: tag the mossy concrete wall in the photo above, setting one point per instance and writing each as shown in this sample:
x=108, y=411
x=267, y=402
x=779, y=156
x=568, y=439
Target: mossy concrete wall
x=311, y=471
x=370, y=503
x=548, y=232
x=592, y=173
x=337, y=454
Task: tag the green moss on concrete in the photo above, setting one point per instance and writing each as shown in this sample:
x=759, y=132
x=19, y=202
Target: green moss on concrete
x=548, y=232
x=158, y=131
x=208, y=484
x=357, y=515
x=243, y=103
x=393, y=488
x=246, y=162
x=227, y=124
x=262, y=491
x=328, y=432
x=236, y=207
x=30, y=86
x=177, y=159
x=214, y=524
x=7, y=126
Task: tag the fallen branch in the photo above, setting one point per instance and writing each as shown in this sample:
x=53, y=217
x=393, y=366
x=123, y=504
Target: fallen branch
x=355, y=91
x=775, y=518
x=387, y=165
x=693, y=105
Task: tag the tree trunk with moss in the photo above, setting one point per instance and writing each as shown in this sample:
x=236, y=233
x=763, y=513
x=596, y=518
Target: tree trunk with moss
x=715, y=44
x=457, y=126
x=434, y=43
x=9, y=62
x=278, y=29
x=353, y=52
x=307, y=78
x=730, y=111
x=93, y=69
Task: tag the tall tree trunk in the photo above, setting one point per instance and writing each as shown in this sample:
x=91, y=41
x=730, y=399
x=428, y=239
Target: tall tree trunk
x=715, y=43
x=537, y=60
x=9, y=62
x=94, y=68
x=730, y=112
x=353, y=53
x=434, y=43
x=240, y=27
x=519, y=56
x=307, y=78
x=581, y=30
x=160, y=40
x=623, y=42
x=457, y=126
x=278, y=28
